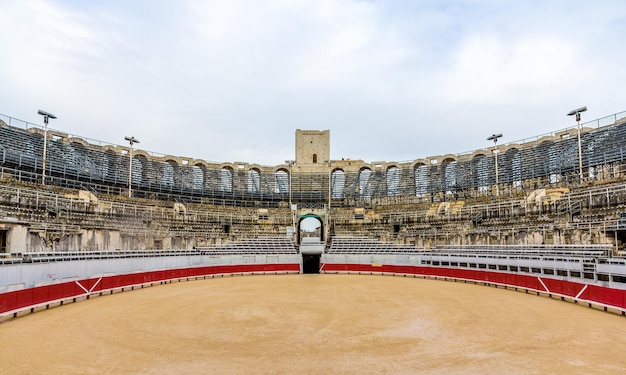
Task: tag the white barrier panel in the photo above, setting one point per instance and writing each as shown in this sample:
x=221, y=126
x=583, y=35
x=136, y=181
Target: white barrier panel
x=28, y=275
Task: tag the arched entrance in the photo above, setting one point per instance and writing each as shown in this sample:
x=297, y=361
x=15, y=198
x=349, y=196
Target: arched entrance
x=310, y=225
x=310, y=239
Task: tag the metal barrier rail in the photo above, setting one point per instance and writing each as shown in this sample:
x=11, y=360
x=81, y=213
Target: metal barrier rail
x=592, y=250
x=84, y=255
x=372, y=247
x=32, y=257
x=529, y=247
x=576, y=258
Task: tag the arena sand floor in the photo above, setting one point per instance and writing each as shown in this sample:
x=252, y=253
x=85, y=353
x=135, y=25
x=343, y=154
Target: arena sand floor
x=316, y=324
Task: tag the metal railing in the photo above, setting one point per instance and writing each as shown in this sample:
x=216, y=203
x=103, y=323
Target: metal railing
x=550, y=163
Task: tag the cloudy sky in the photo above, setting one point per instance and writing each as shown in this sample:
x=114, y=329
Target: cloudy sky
x=233, y=80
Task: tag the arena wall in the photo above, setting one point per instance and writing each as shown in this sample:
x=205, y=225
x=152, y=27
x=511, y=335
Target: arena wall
x=31, y=286
x=592, y=295
x=47, y=294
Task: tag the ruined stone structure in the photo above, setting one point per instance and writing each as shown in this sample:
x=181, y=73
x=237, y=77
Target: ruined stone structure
x=185, y=203
x=312, y=147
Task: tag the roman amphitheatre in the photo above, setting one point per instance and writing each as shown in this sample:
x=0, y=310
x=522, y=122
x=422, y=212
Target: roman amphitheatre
x=505, y=259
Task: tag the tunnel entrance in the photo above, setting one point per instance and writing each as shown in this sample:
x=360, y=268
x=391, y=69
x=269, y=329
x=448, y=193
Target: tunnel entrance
x=310, y=225
x=311, y=263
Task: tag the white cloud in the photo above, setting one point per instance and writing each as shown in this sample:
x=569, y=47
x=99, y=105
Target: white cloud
x=233, y=80
x=489, y=70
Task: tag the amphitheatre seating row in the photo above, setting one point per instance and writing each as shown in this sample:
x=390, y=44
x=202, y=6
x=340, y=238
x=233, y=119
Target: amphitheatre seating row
x=261, y=245
x=57, y=212
x=41, y=256
x=510, y=212
x=364, y=245
x=546, y=251
x=601, y=204
x=445, y=208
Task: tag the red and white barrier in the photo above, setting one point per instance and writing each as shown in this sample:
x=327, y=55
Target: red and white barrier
x=580, y=292
x=22, y=300
x=43, y=296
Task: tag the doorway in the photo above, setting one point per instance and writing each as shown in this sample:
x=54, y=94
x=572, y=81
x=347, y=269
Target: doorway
x=310, y=225
x=310, y=263
x=3, y=241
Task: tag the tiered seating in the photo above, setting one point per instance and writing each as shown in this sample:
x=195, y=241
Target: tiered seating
x=607, y=144
x=585, y=251
x=546, y=195
x=364, y=245
x=261, y=245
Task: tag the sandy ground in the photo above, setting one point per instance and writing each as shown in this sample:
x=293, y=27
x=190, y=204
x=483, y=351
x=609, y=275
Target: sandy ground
x=343, y=324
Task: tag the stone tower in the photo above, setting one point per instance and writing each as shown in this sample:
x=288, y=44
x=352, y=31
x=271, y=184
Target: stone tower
x=312, y=147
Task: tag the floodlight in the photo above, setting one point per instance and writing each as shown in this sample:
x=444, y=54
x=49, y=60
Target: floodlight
x=130, y=165
x=46, y=114
x=580, y=151
x=577, y=111
x=494, y=138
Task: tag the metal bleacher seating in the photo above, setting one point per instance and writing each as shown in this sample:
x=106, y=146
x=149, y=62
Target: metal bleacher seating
x=364, y=245
x=261, y=245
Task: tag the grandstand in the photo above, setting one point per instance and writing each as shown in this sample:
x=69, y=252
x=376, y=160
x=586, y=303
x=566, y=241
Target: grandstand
x=542, y=227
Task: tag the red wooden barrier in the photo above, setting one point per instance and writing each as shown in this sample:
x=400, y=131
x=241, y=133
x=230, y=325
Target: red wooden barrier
x=600, y=295
x=42, y=295
x=38, y=296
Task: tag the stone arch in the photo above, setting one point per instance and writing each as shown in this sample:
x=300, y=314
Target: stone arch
x=338, y=183
x=480, y=169
x=76, y=156
x=140, y=169
x=254, y=181
x=281, y=181
x=113, y=166
x=77, y=140
x=169, y=172
x=364, y=184
x=449, y=180
x=226, y=179
x=512, y=166
x=393, y=175
x=422, y=180
x=309, y=216
x=198, y=179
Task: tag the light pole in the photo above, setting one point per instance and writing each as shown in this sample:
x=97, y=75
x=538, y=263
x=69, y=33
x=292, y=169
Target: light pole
x=132, y=141
x=290, y=163
x=494, y=138
x=46, y=117
x=330, y=195
x=580, y=150
x=330, y=192
x=330, y=184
